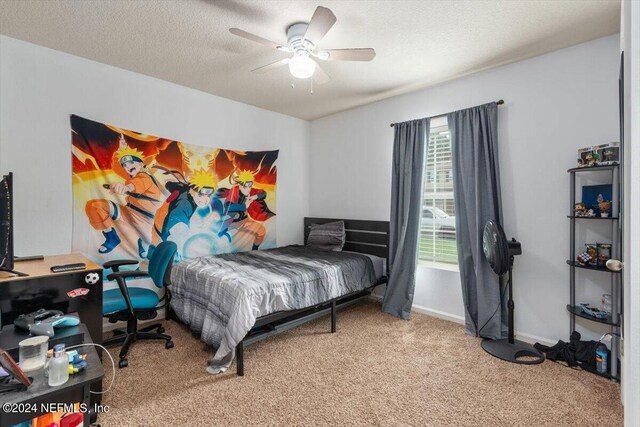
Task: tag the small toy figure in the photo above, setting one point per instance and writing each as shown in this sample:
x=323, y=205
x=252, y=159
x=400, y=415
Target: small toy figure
x=592, y=251
x=609, y=154
x=580, y=209
x=604, y=207
x=77, y=363
x=604, y=254
x=589, y=159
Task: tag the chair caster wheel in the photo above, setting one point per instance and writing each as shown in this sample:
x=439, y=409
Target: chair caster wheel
x=161, y=330
x=123, y=363
x=168, y=345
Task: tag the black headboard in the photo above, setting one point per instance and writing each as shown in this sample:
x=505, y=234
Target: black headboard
x=364, y=236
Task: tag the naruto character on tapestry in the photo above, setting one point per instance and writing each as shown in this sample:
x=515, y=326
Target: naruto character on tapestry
x=132, y=191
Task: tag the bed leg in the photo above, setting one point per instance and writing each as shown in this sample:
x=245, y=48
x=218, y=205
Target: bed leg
x=333, y=316
x=240, y=359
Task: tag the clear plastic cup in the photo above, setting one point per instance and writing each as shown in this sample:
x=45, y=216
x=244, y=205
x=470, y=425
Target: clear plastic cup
x=33, y=353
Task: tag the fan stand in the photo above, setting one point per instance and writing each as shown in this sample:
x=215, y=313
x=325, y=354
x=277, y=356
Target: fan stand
x=511, y=349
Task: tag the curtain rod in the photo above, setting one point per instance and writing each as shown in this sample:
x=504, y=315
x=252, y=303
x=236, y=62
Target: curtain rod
x=499, y=102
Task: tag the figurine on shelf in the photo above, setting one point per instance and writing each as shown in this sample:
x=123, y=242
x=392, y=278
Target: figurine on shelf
x=592, y=251
x=604, y=206
x=589, y=160
x=599, y=155
x=609, y=154
x=604, y=254
x=585, y=157
x=580, y=210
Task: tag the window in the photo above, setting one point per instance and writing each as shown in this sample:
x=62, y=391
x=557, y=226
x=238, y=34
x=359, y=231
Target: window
x=438, y=226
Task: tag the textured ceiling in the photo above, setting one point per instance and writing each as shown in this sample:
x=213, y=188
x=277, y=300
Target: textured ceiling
x=418, y=43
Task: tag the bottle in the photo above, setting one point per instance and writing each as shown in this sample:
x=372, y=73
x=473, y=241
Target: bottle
x=58, y=366
x=601, y=359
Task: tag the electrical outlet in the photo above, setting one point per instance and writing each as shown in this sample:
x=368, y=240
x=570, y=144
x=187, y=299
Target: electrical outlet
x=621, y=347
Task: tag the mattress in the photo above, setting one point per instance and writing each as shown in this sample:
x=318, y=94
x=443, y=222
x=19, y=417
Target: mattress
x=220, y=297
x=379, y=264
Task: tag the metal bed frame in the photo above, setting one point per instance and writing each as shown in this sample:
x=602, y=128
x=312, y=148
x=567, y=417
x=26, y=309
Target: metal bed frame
x=364, y=236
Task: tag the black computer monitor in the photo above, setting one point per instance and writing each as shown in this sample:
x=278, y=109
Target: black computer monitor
x=6, y=222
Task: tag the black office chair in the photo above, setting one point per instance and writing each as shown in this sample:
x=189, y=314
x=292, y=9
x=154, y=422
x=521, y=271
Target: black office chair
x=131, y=304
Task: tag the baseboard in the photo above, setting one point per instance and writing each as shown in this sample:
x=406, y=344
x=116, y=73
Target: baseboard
x=531, y=339
x=437, y=313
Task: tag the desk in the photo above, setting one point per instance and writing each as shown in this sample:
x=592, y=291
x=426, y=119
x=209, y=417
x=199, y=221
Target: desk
x=44, y=289
x=73, y=391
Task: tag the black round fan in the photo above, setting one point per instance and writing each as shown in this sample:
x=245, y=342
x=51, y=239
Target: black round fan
x=500, y=254
x=496, y=247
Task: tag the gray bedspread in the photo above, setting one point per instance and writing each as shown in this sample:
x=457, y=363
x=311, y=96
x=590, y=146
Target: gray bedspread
x=220, y=297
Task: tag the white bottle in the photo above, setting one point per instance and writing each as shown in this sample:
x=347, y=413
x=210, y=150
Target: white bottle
x=58, y=366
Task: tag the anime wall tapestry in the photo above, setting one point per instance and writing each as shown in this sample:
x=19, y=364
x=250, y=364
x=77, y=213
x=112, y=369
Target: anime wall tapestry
x=132, y=191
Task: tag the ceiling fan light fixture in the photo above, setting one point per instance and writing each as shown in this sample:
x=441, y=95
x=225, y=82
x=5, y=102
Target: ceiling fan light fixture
x=301, y=66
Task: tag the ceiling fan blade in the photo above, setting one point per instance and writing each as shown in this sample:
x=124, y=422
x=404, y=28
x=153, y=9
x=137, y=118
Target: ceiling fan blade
x=269, y=67
x=254, y=38
x=321, y=22
x=320, y=77
x=366, y=54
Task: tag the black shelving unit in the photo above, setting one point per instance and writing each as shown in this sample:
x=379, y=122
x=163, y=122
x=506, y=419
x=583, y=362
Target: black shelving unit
x=614, y=320
x=605, y=375
x=577, y=311
x=611, y=218
x=576, y=264
x=593, y=168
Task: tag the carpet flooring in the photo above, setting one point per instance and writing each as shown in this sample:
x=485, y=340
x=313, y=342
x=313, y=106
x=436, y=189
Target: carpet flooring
x=376, y=370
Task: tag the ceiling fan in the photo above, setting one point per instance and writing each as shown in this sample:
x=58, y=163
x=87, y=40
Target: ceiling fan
x=302, y=41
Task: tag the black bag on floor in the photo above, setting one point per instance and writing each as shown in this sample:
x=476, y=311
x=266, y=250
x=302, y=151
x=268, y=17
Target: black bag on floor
x=575, y=353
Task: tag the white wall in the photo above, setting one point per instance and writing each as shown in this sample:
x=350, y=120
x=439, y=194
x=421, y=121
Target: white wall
x=630, y=44
x=40, y=88
x=555, y=104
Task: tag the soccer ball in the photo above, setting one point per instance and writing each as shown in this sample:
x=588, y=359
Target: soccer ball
x=92, y=278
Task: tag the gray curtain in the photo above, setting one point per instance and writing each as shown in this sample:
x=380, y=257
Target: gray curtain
x=409, y=152
x=476, y=179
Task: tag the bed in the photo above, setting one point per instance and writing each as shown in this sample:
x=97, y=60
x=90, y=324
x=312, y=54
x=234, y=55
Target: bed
x=234, y=300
